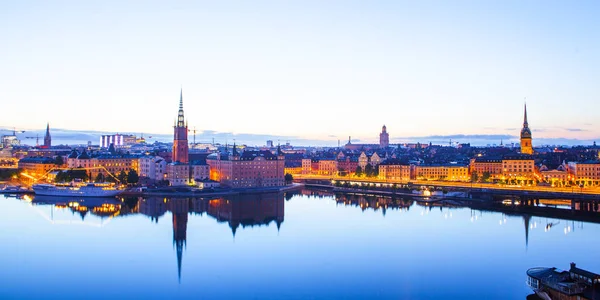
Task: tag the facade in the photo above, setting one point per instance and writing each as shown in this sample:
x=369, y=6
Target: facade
x=328, y=166
x=37, y=166
x=306, y=166
x=152, y=167
x=585, y=173
x=394, y=170
x=375, y=160
x=519, y=167
x=113, y=164
x=200, y=171
x=384, y=138
x=178, y=174
x=482, y=165
x=180, y=140
x=526, y=146
x=441, y=172
x=363, y=160
x=47, y=137
x=251, y=169
x=118, y=140
x=347, y=164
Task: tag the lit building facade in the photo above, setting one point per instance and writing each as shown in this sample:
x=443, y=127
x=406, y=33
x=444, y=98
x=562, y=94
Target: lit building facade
x=585, y=173
x=441, y=172
x=178, y=174
x=36, y=166
x=519, y=167
x=248, y=170
x=117, y=140
x=152, y=167
x=394, y=170
x=491, y=166
x=328, y=166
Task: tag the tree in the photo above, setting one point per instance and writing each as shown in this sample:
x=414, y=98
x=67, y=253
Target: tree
x=133, y=177
x=288, y=178
x=59, y=161
x=485, y=177
x=369, y=170
x=474, y=177
x=358, y=171
x=122, y=177
x=99, y=178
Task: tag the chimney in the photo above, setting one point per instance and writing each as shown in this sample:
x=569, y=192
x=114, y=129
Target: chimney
x=572, y=265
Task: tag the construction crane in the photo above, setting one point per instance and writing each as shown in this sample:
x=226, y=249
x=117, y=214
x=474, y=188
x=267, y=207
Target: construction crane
x=36, y=137
x=194, y=131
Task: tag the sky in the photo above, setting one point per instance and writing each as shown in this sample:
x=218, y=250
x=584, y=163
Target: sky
x=311, y=70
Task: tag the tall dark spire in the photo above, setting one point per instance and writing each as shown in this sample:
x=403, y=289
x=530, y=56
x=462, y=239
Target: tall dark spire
x=47, y=138
x=180, y=118
x=525, y=124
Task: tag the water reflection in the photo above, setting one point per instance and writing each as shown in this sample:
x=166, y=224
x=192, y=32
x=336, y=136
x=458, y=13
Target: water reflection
x=437, y=225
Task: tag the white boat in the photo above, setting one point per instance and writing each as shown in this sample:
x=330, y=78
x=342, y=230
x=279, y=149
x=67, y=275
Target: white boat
x=87, y=190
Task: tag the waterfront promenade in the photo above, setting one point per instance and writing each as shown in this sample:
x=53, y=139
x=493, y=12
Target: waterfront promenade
x=485, y=191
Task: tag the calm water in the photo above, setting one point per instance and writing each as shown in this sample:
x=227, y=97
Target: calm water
x=277, y=247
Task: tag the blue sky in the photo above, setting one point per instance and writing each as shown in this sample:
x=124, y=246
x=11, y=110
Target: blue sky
x=318, y=70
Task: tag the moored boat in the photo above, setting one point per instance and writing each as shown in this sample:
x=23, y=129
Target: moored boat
x=87, y=190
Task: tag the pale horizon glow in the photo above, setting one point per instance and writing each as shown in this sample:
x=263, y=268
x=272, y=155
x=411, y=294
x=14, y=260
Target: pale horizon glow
x=313, y=70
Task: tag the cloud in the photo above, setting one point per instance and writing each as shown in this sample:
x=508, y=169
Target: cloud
x=575, y=129
x=511, y=129
x=469, y=136
x=540, y=130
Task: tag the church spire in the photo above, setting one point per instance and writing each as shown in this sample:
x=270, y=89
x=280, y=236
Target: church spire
x=180, y=118
x=525, y=124
x=47, y=138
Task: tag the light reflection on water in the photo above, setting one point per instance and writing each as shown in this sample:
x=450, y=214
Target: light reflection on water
x=272, y=246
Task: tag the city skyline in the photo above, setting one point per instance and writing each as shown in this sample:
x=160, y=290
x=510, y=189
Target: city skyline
x=306, y=72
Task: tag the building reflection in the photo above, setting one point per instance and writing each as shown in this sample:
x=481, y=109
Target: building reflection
x=247, y=210
x=373, y=202
x=239, y=212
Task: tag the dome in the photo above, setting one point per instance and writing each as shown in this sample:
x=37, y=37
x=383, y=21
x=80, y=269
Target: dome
x=525, y=132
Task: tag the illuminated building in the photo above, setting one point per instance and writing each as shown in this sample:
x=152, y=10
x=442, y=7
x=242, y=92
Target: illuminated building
x=526, y=147
x=558, y=177
x=180, y=140
x=363, y=160
x=47, y=138
x=518, y=167
x=393, y=169
x=585, y=173
x=117, y=140
x=489, y=165
x=328, y=166
x=113, y=164
x=152, y=167
x=450, y=172
x=306, y=166
x=348, y=164
x=248, y=170
x=384, y=138
x=375, y=159
x=178, y=174
x=36, y=166
x=200, y=170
